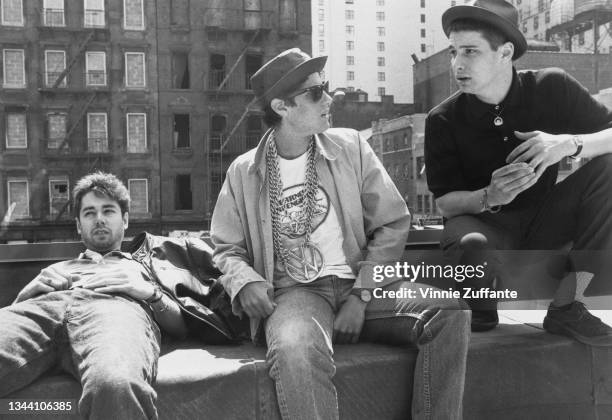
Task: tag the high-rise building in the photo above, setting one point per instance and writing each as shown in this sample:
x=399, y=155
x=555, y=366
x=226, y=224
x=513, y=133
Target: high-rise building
x=372, y=44
x=153, y=91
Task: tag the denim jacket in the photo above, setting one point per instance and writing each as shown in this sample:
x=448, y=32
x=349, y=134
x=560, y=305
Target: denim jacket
x=371, y=212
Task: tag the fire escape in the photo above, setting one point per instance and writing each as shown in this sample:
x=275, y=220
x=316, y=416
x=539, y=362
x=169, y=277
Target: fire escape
x=224, y=143
x=74, y=92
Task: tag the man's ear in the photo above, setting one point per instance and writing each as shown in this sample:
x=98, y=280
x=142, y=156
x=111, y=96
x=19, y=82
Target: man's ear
x=126, y=218
x=279, y=106
x=507, y=50
x=78, y=225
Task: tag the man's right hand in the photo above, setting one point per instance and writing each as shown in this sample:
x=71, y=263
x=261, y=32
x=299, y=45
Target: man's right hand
x=255, y=300
x=509, y=181
x=49, y=280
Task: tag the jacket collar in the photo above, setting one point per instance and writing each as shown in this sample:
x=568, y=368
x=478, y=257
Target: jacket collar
x=326, y=148
x=97, y=257
x=478, y=109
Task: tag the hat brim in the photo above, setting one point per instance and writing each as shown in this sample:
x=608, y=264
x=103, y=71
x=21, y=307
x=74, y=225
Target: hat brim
x=480, y=14
x=291, y=79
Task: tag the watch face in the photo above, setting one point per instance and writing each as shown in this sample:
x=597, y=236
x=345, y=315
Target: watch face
x=366, y=295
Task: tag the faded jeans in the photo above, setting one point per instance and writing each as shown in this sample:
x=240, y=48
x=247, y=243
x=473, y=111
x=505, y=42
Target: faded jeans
x=300, y=352
x=108, y=342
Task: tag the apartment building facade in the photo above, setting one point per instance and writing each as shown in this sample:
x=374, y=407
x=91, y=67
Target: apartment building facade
x=372, y=44
x=153, y=91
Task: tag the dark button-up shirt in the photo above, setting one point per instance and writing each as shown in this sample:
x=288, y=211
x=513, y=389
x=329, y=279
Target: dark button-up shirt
x=463, y=147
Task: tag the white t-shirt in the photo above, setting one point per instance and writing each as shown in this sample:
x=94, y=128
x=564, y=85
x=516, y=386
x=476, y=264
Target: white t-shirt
x=326, y=232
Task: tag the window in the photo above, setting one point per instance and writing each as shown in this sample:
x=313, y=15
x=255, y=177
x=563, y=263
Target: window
x=419, y=203
x=348, y=1
x=97, y=134
x=139, y=195
x=95, y=65
x=94, y=13
x=217, y=70
x=13, y=69
x=581, y=38
x=136, y=132
x=181, y=133
x=321, y=45
x=56, y=129
x=133, y=14
x=423, y=48
x=183, y=198
x=321, y=29
x=179, y=13
x=321, y=2
x=380, y=16
x=350, y=60
x=380, y=61
x=547, y=17
x=382, y=91
x=55, y=63
x=536, y=24
x=453, y=3
x=18, y=198
x=422, y=3
x=381, y=30
x=218, y=126
x=350, y=75
x=253, y=63
x=349, y=14
x=350, y=29
x=423, y=33
x=422, y=18
x=53, y=13
x=321, y=14
x=380, y=2
x=12, y=12
x=420, y=166
x=350, y=45
x=59, y=196
x=427, y=206
x=381, y=76
x=380, y=46
x=540, y=6
x=16, y=130
x=180, y=70
x=254, y=131
x=135, y=70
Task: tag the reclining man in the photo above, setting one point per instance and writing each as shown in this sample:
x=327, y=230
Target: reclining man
x=299, y=224
x=95, y=316
x=492, y=152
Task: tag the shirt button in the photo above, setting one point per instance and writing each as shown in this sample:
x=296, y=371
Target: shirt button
x=496, y=107
x=505, y=138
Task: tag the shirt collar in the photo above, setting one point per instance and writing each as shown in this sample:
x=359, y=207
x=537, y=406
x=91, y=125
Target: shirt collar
x=478, y=109
x=96, y=256
x=326, y=148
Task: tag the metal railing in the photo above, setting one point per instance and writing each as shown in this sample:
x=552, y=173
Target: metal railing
x=236, y=80
x=97, y=144
x=51, y=77
x=95, y=78
x=238, y=19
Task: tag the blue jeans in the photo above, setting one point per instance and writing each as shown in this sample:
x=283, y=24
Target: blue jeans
x=300, y=352
x=108, y=342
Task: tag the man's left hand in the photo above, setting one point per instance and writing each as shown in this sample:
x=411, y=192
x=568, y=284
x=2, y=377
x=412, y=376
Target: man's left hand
x=540, y=149
x=349, y=321
x=129, y=282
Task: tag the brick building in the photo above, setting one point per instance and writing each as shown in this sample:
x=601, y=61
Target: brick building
x=154, y=91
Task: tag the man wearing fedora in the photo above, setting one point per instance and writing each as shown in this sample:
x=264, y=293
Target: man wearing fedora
x=300, y=224
x=492, y=151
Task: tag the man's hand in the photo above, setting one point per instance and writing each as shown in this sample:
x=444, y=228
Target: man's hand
x=349, y=321
x=115, y=280
x=541, y=149
x=509, y=181
x=255, y=300
x=49, y=280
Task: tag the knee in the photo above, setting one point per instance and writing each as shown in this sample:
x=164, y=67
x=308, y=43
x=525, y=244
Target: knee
x=474, y=241
x=116, y=386
x=291, y=350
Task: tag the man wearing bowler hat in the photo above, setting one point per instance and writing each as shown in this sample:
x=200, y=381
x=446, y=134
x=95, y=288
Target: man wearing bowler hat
x=492, y=152
x=300, y=225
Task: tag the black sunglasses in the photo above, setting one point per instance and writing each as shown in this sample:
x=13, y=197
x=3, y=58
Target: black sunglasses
x=316, y=92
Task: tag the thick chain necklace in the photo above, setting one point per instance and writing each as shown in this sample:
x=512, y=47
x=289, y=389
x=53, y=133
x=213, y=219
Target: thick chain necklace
x=304, y=262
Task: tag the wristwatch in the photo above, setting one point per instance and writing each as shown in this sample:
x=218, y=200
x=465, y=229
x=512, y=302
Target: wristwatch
x=578, y=143
x=156, y=296
x=365, y=295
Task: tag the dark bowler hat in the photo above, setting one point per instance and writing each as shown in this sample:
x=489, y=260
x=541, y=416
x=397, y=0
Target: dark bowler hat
x=282, y=74
x=497, y=13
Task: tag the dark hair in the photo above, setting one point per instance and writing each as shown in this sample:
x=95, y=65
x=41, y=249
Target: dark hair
x=103, y=185
x=494, y=36
x=271, y=118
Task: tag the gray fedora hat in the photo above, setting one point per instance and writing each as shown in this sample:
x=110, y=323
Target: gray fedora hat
x=497, y=13
x=280, y=75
